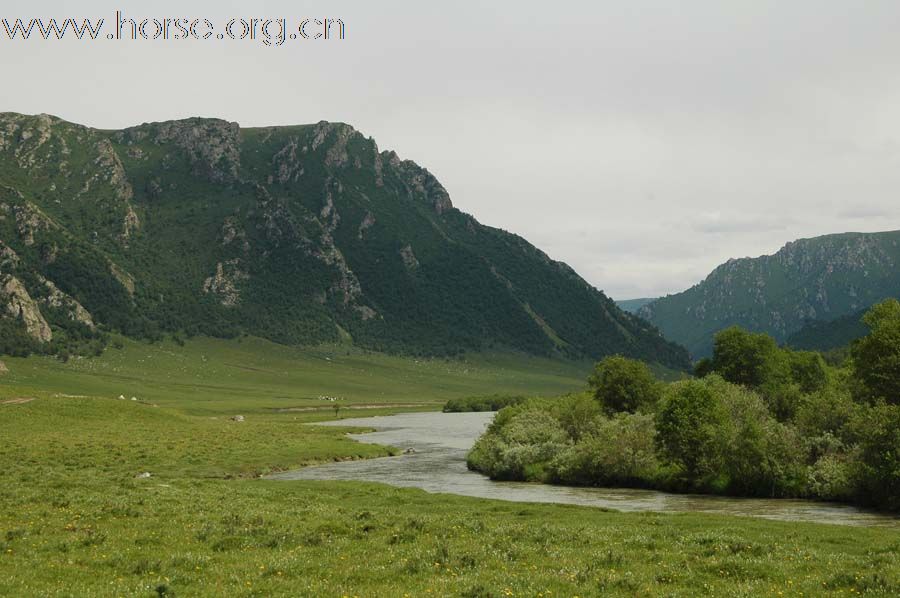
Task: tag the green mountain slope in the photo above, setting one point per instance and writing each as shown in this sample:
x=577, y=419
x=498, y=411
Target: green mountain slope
x=811, y=279
x=825, y=335
x=299, y=234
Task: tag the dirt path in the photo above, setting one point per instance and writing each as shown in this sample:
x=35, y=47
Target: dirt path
x=355, y=407
x=17, y=401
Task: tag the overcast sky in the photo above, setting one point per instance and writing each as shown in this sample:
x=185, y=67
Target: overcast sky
x=641, y=142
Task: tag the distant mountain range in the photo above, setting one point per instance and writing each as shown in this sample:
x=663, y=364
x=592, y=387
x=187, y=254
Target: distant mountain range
x=299, y=234
x=818, y=279
x=633, y=305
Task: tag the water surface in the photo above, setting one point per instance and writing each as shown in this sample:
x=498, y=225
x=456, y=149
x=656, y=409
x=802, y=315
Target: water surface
x=440, y=442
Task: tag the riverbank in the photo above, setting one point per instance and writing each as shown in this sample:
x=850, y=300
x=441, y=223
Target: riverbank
x=434, y=448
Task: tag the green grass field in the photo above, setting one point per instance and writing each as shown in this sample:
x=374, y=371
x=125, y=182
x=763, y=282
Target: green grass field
x=76, y=521
x=213, y=376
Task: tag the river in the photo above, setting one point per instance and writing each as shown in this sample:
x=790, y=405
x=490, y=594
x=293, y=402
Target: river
x=440, y=441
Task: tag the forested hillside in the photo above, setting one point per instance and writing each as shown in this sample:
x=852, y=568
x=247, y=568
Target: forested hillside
x=301, y=235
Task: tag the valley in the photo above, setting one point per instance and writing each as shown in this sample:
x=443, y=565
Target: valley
x=81, y=519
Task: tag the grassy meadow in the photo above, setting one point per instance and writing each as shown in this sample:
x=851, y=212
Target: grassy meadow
x=76, y=520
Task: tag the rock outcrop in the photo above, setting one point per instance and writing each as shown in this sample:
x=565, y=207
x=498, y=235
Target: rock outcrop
x=420, y=183
x=409, y=258
x=224, y=283
x=56, y=299
x=18, y=304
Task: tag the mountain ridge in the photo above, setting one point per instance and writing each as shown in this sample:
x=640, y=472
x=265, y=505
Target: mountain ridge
x=300, y=234
x=810, y=279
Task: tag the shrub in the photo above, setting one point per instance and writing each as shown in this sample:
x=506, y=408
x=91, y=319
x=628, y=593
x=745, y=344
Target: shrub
x=832, y=478
x=622, y=384
x=575, y=413
x=615, y=451
x=481, y=404
x=520, y=449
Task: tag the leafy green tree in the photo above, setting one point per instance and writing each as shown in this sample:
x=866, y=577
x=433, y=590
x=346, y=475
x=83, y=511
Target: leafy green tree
x=745, y=358
x=876, y=357
x=624, y=385
x=688, y=423
x=828, y=411
x=808, y=370
x=760, y=456
x=879, y=471
x=703, y=368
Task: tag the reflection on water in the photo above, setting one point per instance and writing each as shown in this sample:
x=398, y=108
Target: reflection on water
x=441, y=441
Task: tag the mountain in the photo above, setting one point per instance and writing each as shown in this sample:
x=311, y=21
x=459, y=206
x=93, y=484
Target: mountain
x=822, y=278
x=633, y=305
x=300, y=234
x=825, y=335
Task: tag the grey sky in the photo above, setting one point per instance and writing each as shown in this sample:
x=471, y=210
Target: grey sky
x=641, y=142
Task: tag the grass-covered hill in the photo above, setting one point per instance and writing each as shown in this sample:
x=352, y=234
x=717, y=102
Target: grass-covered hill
x=301, y=235
x=822, y=278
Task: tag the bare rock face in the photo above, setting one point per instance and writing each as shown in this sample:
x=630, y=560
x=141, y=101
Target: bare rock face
x=420, y=183
x=30, y=220
x=130, y=224
x=409, y=258
x=213, y=146
x=233, y=232
x=56, y=299
x=18, y=304
x=224, y=283
x=366, y=313
x=287, y=162
x=9, y=259
x=110, y=168
x=124, y=278
x=27, y=135
x=367, y=223
x=336, y=155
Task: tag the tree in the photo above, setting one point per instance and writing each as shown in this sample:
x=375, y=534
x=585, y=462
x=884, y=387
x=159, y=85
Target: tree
x=808, y=370
x=688, y=424
x=879, y=475
x=876, y=357
x=745, y=358
x=703, y=368
x=624, y=385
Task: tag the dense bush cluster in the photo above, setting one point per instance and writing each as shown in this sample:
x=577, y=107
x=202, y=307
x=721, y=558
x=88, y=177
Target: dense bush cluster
x=758, y=420
x=487, y=403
